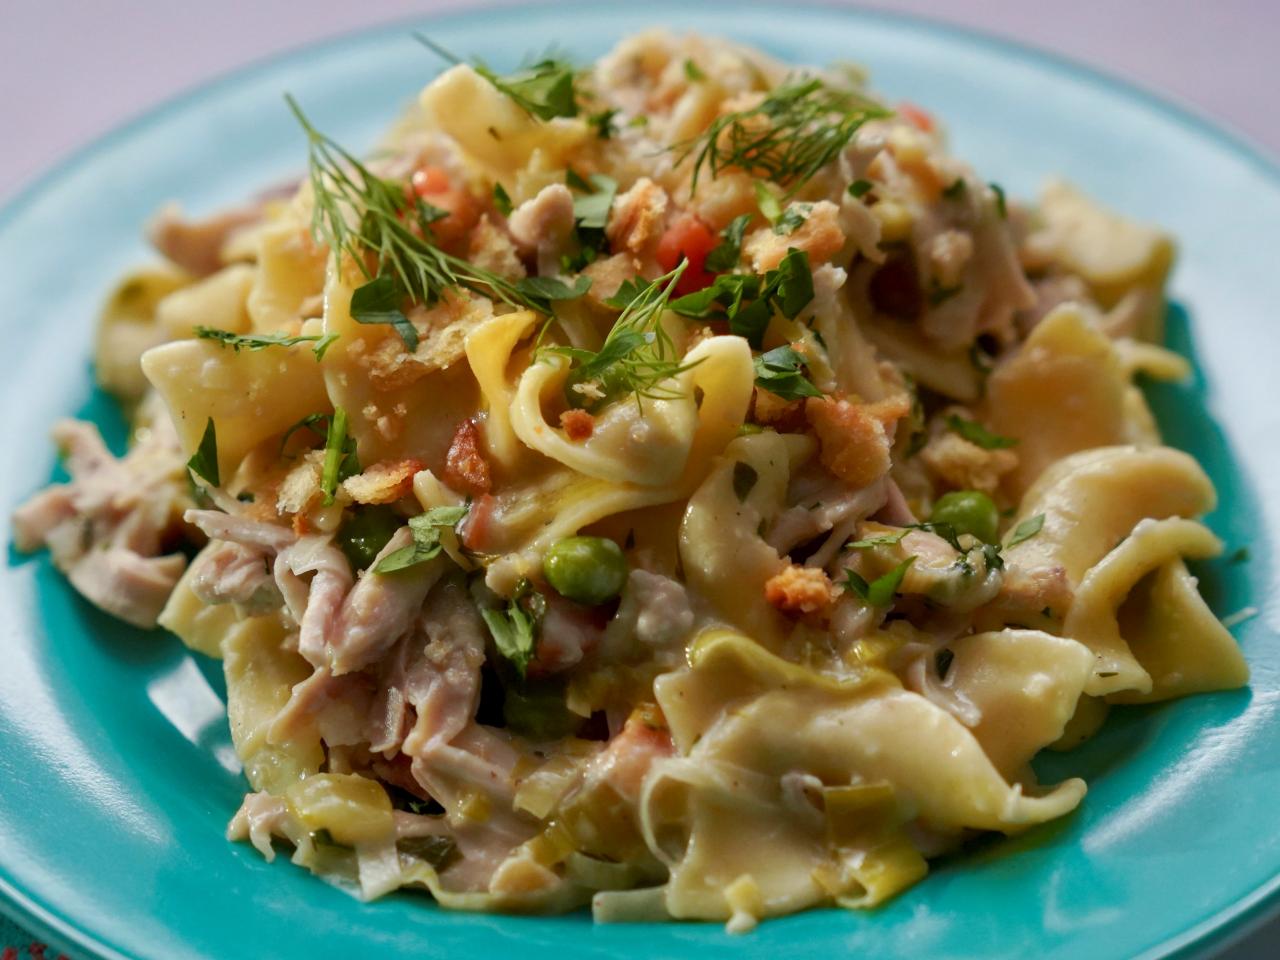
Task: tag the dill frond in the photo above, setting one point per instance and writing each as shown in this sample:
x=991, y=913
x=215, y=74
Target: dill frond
x=797, y=129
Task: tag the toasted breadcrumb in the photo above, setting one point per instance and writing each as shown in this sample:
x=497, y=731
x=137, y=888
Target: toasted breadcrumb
x=855, y=438
x=384, y=482
x=637, y=219
x=800, y=589
x=960, y=465
x=301, y=487
x=769, y=409
x=819, y=236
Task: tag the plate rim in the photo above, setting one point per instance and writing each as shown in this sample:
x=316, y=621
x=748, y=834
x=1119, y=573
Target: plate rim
x=1217, y=931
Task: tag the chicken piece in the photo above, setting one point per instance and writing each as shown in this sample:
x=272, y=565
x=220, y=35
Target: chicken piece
x=383, y=482
x=855, y=438
x=800, y=590
x=543, y=225
x=196, y=245
x=226, y=572
x=491, y=249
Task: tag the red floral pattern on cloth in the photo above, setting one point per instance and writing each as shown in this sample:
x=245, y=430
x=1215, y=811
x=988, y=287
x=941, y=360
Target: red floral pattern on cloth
x=18, y=944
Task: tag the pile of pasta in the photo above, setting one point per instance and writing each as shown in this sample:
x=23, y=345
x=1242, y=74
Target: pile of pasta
x=732, y=498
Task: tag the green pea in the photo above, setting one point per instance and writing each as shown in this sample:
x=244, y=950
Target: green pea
x=968, y=511
x=365, y=532
x=589, y=570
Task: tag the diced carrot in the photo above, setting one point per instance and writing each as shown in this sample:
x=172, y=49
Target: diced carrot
x=917, y=116
x=433, y=186
x=429, y=180
x=687, y=238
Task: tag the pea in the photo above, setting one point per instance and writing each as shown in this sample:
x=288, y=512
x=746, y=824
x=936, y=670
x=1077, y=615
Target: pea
x=365, y=532
x=968, y=511
x=589, y=570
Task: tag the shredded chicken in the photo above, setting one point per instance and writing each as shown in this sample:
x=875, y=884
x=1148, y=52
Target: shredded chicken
x=197, y=245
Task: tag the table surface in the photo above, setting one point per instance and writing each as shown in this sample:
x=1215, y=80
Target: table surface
x=75, y=70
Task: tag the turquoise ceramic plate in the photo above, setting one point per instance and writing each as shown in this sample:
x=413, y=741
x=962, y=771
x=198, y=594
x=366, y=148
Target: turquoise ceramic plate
x=116, y=772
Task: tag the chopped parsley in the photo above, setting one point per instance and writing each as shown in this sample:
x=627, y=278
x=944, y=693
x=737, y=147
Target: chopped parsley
x=860, y=188
x=204, y=462
x=543, y=89
x=340, y=459
x=1026, y=530
x=726, y=255
x=1001, y=207
x=744, y=479
x=747, y=301
x=977, y=434
x=888, y=539
x=426, y=544
x=381, y=300
x=437, y=850
x=553, y=288
x=939, y=294
x=514, y=627
x=502, y=200
x=779, y=372
x=693, y=73
x=955, y=190
x=259, y=341
x=881, y=591
x=603, y=123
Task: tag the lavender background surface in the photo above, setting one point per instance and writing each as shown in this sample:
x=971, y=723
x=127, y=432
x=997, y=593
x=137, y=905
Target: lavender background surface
x=73, y=69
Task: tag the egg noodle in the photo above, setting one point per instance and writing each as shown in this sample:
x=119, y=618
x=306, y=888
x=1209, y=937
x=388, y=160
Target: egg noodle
x=676, y=485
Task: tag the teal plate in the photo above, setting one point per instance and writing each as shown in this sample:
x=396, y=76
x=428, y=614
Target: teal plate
x=116, y=771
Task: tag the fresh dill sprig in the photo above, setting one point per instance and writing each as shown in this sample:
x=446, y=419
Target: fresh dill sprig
x=385, y=230
x=260, y=341
x=797, y=129
x=637, y=357
x=543, y=89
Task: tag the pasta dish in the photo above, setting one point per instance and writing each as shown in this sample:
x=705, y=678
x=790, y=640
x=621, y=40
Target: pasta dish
x=676, y=485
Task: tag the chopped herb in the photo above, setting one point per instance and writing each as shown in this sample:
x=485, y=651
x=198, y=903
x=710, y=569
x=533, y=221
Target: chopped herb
x=204, y=462
x=778, y=371
x=888, y=539
x=575, y=181
x=1026, y=530
x=639, y=120
x=637, y=357
x=358, y=213
x=744, y=479
x=603, y=122
x=543, y=89
x=976, y=433
x=426, y=544
x=628, y=290
x=726, y=255
x=879, y=592
x=502, y=200
x=1240, y=555
x=552, y=288
x=514, y=629
x=770, y=206
x=310, y=421
x=339, y=455
x=592, y=211
x=800, y=127
x=860, y=188
x=693, y=73
x=956, y=190
x=747, y=301
x=939, y=294
x=1001, y=208
x=380, y=301
x=942, y=661
x=981, y=361
x=259, y=341
x=438, y=851
x=944, y=530
x=992, y=556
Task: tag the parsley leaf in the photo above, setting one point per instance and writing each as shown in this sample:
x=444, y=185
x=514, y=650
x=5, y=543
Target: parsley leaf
x=976, y=433
x=783, y=221
x=725, y=256
x=204, y=462
x=791, y=283
x=592, y=211
x=778, y=371
x=426, y=544
x=1026, y=530
x=693, y=73
x=604, y=123
x=259, y=341
x=514, y=629
x=859, y=188
x=502, y=200
x=553, y=288
x=888, y=539
x=955, y=190
x=879, y=592
x=744, y=479
x=339, y=455
x=628, y=290
x=543, y=90
x=747, y=301
x=379, y=301
x=1001, y=207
